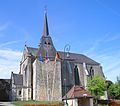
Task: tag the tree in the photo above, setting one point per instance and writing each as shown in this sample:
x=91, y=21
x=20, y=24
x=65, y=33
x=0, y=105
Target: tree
x=97, y=87
x=114, y=90
x=4, y=90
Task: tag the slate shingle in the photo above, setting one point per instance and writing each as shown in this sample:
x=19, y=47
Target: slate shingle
x=18, y=79
x=80, y=58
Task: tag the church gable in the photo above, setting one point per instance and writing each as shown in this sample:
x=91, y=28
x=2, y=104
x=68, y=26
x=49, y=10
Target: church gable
x=32, y=51
x=24, y=55
x=46, y=47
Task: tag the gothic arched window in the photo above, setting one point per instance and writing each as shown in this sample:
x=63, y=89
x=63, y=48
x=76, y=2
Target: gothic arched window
x=76, y=76
x=91, y=72
x=19, y=92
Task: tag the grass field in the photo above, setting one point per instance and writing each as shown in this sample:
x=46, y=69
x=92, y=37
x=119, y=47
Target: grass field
x=38, y=103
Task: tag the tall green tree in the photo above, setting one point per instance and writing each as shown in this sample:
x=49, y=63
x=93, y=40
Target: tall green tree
x=97, y=87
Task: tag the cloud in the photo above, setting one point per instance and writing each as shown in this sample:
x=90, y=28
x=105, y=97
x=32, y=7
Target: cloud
x=110, y=63
x=113, y=38
x=97, y=43
x=9, y=61
x=4, y=26
x=21, y=30
x=108, y=56
x=8, y=43
x=111, y=66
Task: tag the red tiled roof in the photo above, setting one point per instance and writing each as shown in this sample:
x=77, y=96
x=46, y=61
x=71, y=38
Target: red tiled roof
x=77, y=92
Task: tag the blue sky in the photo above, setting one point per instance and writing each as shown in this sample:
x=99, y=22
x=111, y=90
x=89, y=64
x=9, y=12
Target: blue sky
x=91, y=27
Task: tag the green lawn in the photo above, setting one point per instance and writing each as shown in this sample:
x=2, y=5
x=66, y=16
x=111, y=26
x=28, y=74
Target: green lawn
x=38, y=103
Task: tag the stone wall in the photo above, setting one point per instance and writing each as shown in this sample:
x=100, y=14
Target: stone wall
x=25, y=70
x=47, y=81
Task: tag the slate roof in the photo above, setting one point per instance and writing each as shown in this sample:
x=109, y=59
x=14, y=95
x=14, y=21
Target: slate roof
x=80, y=58
x=32, y=50
x=45, y=27
x=18, y=79
x=77, y=92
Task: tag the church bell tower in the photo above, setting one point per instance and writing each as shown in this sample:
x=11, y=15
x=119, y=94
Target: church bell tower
x=46, y=71
x=46, y=47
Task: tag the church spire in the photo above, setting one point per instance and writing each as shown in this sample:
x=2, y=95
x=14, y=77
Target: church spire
x=46, y=44
x=45, y=27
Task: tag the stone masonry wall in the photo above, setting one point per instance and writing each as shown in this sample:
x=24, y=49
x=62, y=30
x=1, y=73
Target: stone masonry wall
x=47, y=80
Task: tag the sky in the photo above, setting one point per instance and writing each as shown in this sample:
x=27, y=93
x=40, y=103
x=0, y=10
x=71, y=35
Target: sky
x=90, y=27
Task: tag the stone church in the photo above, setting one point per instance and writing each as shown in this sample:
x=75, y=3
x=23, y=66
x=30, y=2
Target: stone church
x=48, y=74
